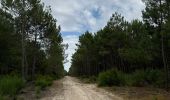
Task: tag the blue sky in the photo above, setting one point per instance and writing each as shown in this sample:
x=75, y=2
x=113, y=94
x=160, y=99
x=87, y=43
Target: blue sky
x=77, y=16
x=70, y=33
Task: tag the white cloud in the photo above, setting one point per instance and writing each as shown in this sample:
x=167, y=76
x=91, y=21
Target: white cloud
x=79, y=15
x=73, y=15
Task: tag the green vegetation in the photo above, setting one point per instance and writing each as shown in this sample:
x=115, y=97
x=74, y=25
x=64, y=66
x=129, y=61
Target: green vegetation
x=110, y=78
x=138, y=78
x=139, y=50
x=35, y=45
x=43, y=81
x=30, y=45
x=3, y=97
x=10, y=85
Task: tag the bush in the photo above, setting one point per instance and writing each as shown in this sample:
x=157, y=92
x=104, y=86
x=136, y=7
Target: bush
x=10, y=85
x=110, y=78
x=43, y=81
x=155, y=77
x=148, y=77
x=138, y=78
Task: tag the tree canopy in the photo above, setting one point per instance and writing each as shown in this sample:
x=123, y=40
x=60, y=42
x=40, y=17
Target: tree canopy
x=127, y=46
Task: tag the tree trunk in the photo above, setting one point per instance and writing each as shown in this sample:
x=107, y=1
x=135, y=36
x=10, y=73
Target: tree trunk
x=164, y=61
x=162, y=46
x=23, y=50
x=33, y=67
x=34, y=56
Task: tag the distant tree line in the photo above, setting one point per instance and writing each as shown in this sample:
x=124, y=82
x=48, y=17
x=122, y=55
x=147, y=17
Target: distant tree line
x=30, y=40
x=127, y=46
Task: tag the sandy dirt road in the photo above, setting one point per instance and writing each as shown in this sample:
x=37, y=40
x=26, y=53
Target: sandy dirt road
x=71, y=88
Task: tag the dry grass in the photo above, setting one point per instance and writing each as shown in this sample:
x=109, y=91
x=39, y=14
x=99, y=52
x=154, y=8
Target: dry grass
x=140, y=93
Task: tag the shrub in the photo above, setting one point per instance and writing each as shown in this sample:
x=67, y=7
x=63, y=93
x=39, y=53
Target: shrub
x=110, y=78
x=43, y=81
x=155, y=77
x=10, y=85
x=138, y=78
x=148, y=77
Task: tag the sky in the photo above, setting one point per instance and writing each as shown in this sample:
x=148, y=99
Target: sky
x=77, y=16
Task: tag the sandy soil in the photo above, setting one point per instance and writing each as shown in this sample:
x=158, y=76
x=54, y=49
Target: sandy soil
x=70, y=88
x=140, y=93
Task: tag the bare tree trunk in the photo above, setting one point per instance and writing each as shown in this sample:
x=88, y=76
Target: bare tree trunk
x=33, y=68
x=162, y=47
x=164, y=61
x=23, y=41
x=34, y=56
x=26, y=67
x=23, y=51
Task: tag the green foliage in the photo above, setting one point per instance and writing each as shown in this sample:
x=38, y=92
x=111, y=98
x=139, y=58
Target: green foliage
x=40, y=50
x=128, y=46
x=43, y=81
x=2, y=97
x=148, y=77
x=117, y=44
x=110, y=78
x=138, y=78
x=10, y=85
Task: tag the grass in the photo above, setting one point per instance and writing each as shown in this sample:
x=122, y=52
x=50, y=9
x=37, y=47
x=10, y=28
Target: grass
x=42, y=82
x=139, y=93
x=2, y=97
x=10, y=85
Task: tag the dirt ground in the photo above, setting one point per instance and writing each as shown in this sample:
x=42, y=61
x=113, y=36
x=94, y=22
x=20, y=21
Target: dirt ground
x=70, y=88
x=140, y=93
x=73, y=89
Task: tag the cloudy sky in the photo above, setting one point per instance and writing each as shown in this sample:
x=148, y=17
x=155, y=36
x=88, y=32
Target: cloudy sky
x=78, y=16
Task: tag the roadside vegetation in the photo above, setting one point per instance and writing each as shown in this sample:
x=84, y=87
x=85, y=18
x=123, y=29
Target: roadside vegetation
x=43, y=81
x=31, y=49
x=10, y=86
x=139, y=78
